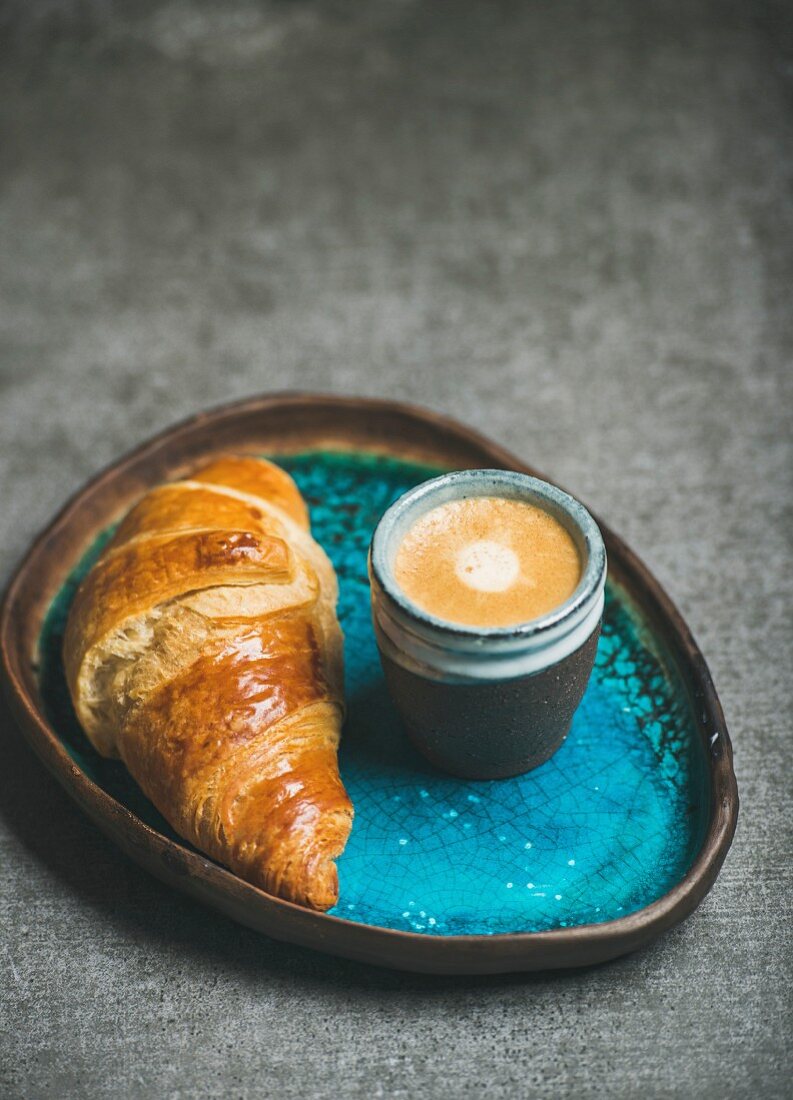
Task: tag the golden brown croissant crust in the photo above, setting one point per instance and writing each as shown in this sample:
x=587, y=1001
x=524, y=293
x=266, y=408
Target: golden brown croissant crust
x=203, y=649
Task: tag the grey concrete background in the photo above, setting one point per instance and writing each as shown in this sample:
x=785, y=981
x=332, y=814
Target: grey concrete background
x=568, y=224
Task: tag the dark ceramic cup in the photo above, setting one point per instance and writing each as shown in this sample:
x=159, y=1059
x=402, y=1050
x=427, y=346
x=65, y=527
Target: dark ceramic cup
x=486, y=703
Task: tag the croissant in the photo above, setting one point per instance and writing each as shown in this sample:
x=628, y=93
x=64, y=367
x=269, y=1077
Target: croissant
x=203, y=650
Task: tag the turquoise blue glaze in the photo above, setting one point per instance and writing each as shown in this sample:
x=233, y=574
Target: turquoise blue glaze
x=607, y=826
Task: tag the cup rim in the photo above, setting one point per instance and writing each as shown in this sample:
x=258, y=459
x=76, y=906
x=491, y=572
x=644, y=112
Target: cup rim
x=489, y=482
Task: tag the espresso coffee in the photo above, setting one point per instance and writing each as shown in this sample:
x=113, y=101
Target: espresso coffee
x=488, y=562
x=485, y=654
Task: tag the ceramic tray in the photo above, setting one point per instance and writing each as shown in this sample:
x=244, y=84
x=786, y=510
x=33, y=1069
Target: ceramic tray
x=615, y=839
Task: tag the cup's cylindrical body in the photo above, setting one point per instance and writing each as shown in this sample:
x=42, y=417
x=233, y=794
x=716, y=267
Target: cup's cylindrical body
x=491, y=729
x=486, y=703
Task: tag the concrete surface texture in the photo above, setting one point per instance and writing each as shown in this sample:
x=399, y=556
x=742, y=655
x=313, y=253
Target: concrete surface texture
x=568, y=224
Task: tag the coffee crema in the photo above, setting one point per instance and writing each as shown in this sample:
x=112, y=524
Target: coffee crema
x=487, y=561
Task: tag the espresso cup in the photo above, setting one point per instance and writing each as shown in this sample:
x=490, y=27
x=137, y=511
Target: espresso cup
x=486, y=702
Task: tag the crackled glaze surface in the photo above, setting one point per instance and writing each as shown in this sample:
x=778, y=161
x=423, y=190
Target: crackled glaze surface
x=607, y=826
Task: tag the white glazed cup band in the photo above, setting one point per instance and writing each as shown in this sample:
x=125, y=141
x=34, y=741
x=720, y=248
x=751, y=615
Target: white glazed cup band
x=409, y=651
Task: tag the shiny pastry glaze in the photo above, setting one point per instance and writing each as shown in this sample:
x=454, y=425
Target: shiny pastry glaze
x=203, y=649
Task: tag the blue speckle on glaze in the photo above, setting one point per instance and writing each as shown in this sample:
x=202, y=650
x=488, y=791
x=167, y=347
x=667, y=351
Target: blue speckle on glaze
x=605, y=827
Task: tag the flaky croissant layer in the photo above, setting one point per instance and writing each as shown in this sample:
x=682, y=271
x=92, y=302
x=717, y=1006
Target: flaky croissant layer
x=203, y=649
